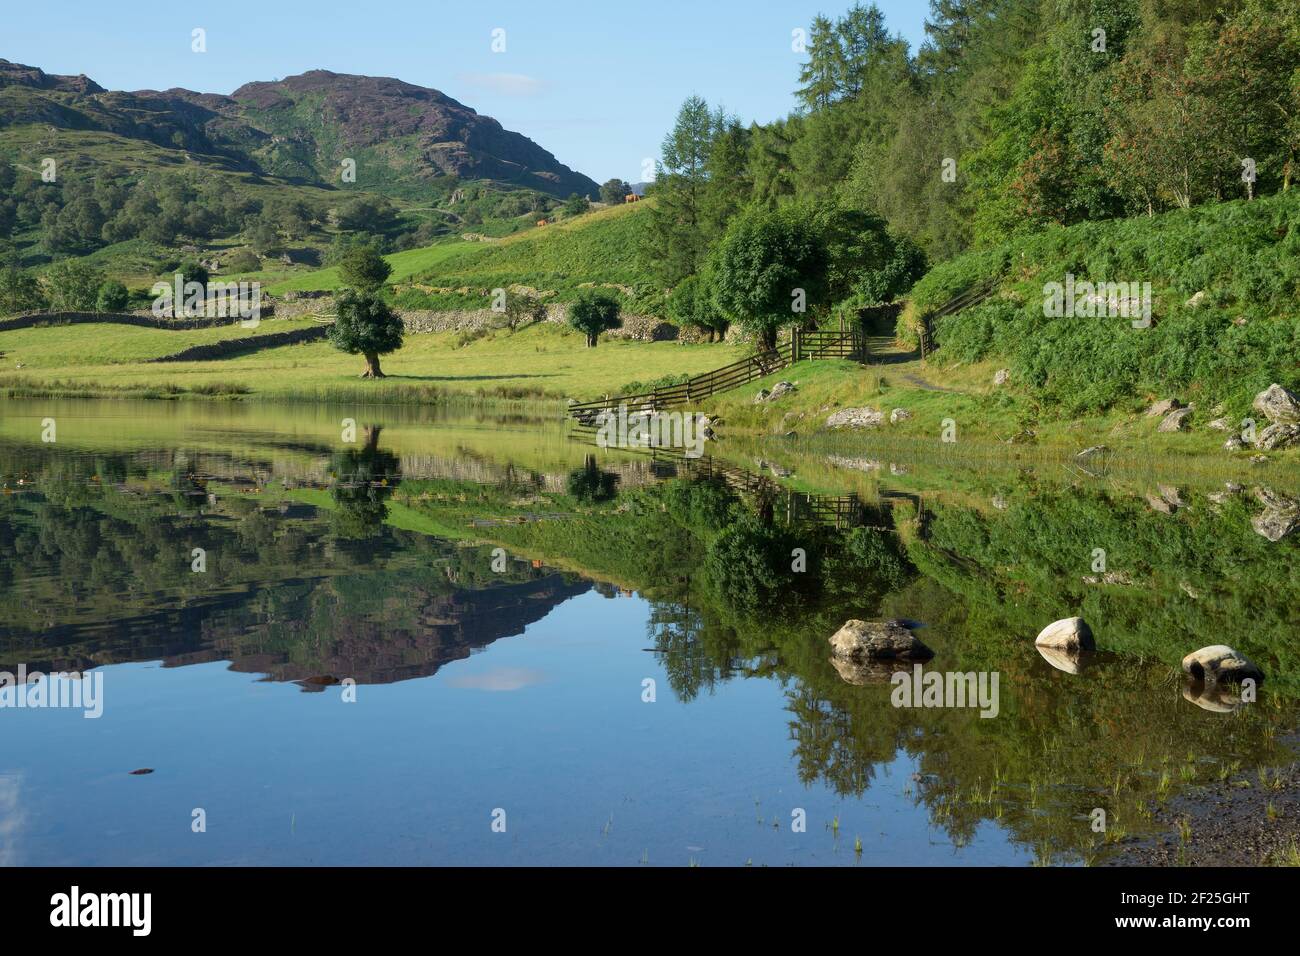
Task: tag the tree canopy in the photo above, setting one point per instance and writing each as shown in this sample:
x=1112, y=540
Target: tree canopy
x=364, y=269
x=767, y=270
x=366, y=326
x=594, y=312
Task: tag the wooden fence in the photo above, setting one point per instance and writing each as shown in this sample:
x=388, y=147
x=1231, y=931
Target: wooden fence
x=802, y=344
x=965, y=300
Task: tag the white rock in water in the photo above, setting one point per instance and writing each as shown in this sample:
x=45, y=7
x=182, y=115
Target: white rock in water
x=1068, y=661
x=1216, y=698
x=876, y=640
x=1070, y=633
x=1219, y=664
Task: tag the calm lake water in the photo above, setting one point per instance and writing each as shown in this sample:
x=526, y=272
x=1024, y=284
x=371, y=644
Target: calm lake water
x=461, y=638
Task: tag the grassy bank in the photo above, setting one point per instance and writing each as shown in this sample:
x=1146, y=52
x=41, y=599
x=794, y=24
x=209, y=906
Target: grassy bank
x=1225, y=292
x=955, y=399
x=546, y=362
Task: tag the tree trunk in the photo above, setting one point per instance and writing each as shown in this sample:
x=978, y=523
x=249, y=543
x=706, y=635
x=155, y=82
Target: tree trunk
x=591, y=341
x=372, y=366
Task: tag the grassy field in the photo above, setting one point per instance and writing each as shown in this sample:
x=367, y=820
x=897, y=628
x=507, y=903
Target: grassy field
x=546, y=361
x=405, y=265
x=65, y=347
x=600, y=247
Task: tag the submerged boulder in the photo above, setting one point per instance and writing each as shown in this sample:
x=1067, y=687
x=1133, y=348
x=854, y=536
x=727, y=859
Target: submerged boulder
x=877, y=640
x=1068, y=634
x=863, y=671
x=1071, y=662
x=1220, y=664
x=1216, y=698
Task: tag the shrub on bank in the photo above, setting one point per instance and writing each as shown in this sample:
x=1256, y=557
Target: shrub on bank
x=1220, y=346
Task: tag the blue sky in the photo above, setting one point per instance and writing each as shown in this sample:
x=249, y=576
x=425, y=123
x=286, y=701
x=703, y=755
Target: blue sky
x=597, y=84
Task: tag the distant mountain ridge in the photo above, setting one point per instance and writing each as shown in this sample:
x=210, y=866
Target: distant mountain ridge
x=402, y=137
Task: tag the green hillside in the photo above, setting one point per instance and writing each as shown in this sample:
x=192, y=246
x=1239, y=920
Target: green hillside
x=1225, y=284
x=599, y=247
x=279, y=172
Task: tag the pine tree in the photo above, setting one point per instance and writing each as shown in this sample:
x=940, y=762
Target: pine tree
x=675, y=243
x=820, y=75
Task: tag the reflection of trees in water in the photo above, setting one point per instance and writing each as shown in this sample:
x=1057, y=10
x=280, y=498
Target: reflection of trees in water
x=697, y=654
x=1061, y=744
x=591, y=484
x=361, y=481
x=826, y=747
x=189, y=491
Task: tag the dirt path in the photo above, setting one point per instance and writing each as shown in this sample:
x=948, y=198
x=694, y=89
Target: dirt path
x=911, y=378
x=885, y=351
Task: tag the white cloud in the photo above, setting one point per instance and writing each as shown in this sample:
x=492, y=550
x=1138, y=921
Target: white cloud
x=500, y=679
x=503, y=84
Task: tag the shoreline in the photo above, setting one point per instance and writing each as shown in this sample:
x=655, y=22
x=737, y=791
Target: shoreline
x=871, y=451
x=1248, y=820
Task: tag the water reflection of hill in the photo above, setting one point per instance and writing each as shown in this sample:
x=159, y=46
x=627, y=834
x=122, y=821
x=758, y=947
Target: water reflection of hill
x=96, y=568
x=448, y=627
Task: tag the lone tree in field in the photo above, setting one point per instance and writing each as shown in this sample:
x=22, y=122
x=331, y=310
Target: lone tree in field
x=768, y=267
x=593, y=313
x=364, y=269
x=366, y=326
